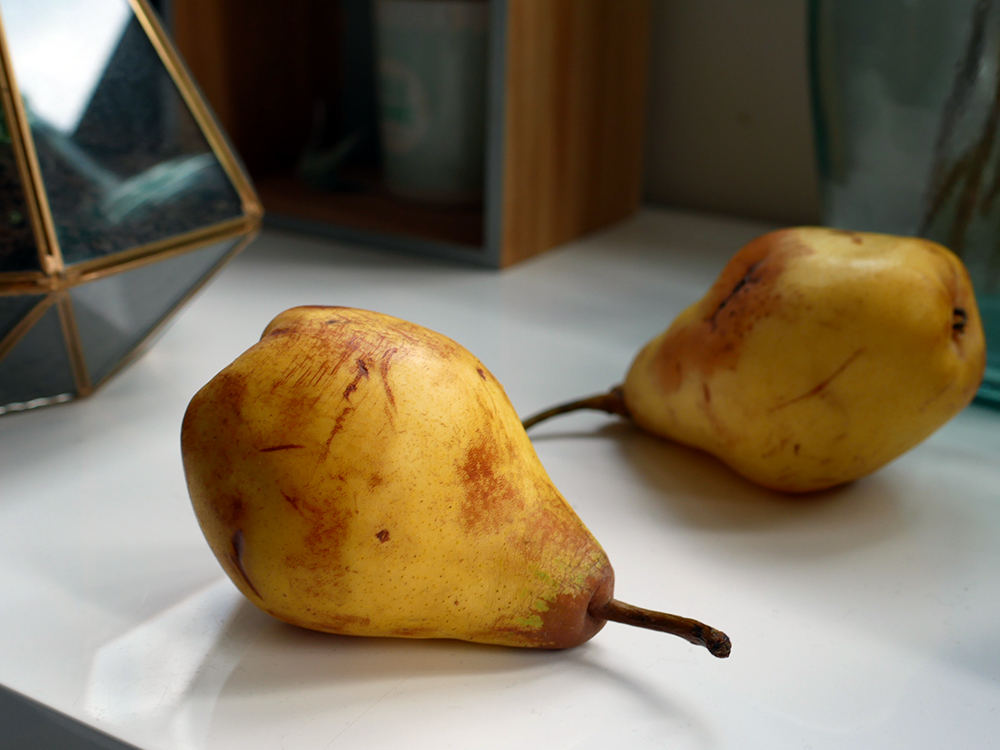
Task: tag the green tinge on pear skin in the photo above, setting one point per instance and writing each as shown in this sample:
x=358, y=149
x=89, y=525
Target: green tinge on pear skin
x=531, y=623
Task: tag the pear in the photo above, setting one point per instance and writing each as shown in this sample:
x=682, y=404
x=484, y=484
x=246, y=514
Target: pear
x=816, y=357
x=358, y=474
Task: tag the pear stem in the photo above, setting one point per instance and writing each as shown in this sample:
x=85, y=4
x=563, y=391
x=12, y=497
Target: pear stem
x=612, y=402
x=698, y=633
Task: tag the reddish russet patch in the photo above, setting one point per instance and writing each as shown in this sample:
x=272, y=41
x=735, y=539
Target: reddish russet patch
x=340, y=623
x=323, y=539
x=328, y=623
x=567, y=622
x=744, y=294
x=338, y=425
x=415, y=632
x=384, y=365
x=553, y=523
x=229, y=390
x=230, y=510
x=489, y=495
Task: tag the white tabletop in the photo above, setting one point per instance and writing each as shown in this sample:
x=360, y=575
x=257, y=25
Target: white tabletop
x=864, y=617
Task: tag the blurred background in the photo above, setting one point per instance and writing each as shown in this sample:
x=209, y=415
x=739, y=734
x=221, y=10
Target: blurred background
x=729, y=125
x=722, y=109
x=490, y=131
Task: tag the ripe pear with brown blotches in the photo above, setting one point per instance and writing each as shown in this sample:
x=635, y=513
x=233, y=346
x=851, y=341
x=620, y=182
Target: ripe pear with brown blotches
x=815, y=358
x=358, y=474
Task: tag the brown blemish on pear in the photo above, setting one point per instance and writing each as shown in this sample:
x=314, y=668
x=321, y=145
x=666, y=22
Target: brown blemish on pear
x=743, y=294
x=326, y=534
x=293, y=501
x=232, y=389
x=353, y=385
x=822, y=385
x=273, y=448
x=329, y=623
x=413, y=632
x=338, y=425
x=237, y=511
x=490, y=496
x=236, y=559
x=327, y=526
x=567, y=620
x=342, y=622
x=383, y=368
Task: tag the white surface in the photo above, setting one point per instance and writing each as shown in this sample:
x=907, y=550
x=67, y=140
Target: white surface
x=866, y=617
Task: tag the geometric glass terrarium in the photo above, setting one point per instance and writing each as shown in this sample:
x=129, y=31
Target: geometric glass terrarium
x=119, y=195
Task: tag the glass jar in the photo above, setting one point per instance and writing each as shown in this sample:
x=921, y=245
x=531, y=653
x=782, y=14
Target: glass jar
x=906, y=97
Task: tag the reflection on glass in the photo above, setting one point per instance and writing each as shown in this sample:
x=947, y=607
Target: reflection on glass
x=115, y=313
x=123, y=161
x=38, y=367
x=13, y=309
x=17, y=241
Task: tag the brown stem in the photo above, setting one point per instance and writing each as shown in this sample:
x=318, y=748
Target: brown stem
x=612, y=402
x=690, y=630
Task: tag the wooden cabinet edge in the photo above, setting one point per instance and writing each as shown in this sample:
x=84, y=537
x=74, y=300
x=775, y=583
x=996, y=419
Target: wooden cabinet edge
x=574, y=101
x=571, y=114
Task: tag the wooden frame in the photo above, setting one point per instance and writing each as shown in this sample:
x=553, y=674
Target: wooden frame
x=566, y=111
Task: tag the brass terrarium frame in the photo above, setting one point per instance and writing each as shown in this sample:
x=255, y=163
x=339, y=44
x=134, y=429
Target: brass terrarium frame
x=56, y=278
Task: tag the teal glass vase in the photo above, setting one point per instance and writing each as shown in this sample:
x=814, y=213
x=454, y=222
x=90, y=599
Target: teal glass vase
x=906, y=98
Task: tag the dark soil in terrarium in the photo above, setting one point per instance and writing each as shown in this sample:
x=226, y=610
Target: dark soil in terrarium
x=17, y=240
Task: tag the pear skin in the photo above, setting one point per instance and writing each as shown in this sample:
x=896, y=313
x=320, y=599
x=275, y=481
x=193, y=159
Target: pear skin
x=358, y=474
x=816, y=357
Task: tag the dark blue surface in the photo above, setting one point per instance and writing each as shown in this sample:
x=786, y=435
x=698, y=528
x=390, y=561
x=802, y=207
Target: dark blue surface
x=28, y=725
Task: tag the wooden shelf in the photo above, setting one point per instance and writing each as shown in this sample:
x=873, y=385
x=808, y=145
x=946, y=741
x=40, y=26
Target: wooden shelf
x=566, y=111
x=371, y=209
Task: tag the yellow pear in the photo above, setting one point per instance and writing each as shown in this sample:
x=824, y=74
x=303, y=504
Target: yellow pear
x=358, y=474
x=816, y=357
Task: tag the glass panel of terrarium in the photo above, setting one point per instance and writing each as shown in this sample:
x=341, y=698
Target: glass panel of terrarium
x=13, y=309
x=37, y=370
x=18, y=251
x=123, y=160
x=116, y=313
